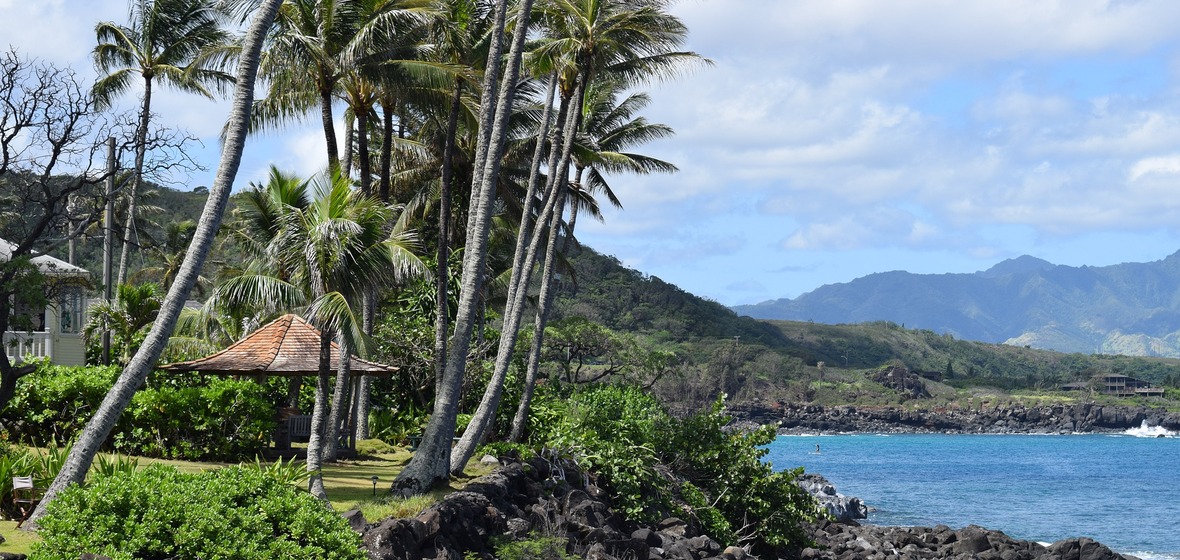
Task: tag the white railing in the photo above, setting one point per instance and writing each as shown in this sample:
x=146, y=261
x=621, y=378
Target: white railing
x=24, y=346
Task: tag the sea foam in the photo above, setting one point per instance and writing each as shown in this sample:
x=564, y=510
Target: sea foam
x=1150, y=431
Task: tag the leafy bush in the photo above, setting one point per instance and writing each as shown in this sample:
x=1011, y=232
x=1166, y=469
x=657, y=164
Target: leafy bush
x=612, y=429
x=654, y=464
x=226, y=419
x=55, y=402
x=736, y=496
x=158, y=512
x=179, y=418
x=535, y=548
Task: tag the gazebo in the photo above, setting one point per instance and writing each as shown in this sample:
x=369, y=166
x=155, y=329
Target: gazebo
x=288, y=347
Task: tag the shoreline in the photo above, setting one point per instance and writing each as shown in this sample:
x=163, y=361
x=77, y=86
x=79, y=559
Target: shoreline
x=1081, y=418
x=867, y=537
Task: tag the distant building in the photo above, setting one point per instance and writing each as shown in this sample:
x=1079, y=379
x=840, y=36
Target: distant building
x=1117, y=385
x=56, y=331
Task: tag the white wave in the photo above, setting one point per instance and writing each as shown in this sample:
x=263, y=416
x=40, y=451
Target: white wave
x=1142, y=555
x=1150, y=431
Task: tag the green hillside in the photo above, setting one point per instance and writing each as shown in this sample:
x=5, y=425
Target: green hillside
x=757, y=359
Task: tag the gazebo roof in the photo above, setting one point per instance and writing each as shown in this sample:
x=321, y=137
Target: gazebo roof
x=288, y=346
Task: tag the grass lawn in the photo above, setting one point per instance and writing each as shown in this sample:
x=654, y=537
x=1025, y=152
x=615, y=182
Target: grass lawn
x=349, y=485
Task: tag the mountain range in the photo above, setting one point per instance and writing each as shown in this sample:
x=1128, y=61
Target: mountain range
x=1131, y=308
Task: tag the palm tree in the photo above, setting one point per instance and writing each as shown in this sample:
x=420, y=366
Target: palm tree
x=322, y=254
x=608, y=127
x=626, y=40
x=125, y=318
x=82, y=454
x=314, y=45
x=431, y=462
x=341, y=248
x=175, y=42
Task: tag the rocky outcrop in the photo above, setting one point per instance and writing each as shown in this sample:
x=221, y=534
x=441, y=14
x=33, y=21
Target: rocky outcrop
x=839, y=507
x=835, y=541
x=902, y=380
x=527, y=500
x=985, y=419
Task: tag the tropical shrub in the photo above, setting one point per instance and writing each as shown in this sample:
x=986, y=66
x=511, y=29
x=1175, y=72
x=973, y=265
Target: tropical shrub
x=225, y=419
x=159, y=512
x=654, y=465
x=55, y=402
x=178, y=418
x=737, y=497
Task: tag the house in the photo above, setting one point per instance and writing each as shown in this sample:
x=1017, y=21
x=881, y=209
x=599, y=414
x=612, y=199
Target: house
x=1117, y=385
x=57, y=328
x=1122, y=386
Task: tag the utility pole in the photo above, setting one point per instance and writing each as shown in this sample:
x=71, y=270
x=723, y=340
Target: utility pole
x=108, y=233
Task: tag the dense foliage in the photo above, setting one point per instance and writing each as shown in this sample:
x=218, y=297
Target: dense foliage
x=654, y=464
x=179, y=418
x=158, y=512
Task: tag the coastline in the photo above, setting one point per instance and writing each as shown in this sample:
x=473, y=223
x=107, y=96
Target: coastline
x=997, y=419
x=923, y=536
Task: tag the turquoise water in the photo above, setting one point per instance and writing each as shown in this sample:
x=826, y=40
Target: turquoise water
x=1121, y=490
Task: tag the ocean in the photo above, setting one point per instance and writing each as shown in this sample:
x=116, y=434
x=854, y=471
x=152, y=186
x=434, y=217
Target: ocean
x=1122, y=490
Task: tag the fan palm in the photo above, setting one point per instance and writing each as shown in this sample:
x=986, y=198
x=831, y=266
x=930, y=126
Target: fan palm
x=175, y=42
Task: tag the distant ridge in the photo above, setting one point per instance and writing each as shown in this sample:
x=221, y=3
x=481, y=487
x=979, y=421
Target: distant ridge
x=1131, y=308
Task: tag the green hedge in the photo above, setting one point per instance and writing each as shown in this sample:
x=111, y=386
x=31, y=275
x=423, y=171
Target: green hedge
x=176, y=418
x=159, y=512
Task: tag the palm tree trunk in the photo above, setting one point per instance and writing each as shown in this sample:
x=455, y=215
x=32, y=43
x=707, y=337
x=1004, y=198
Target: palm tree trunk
x=362, y=144
x=363, y=400
x=520, y=419
x=340, y=402
x=551, y=216
x=346, y=165
x=145, y=115
x=431, y=462
x=319, y=418
x=329, y=129
x=386, y=163
x=442, y=267
x=82, y=454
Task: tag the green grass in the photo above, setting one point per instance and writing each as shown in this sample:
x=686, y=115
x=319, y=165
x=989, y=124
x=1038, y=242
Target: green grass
x=349, y=485
x=16, y=540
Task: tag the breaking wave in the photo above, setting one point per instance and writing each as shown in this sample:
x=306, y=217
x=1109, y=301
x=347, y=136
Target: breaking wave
x=1150, y=431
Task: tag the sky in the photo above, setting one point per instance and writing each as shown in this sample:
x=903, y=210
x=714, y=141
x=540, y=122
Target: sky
x=831, y=140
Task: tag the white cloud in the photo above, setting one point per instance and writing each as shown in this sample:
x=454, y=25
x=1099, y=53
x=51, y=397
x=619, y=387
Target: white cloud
x=1163, y=165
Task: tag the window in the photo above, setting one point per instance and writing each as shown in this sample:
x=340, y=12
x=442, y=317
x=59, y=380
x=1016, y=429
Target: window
x=72, y=309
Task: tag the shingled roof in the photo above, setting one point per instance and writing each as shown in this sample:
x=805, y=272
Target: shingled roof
x=287, y=346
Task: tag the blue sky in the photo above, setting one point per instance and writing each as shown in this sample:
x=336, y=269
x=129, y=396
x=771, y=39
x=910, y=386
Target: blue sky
x=835, y=139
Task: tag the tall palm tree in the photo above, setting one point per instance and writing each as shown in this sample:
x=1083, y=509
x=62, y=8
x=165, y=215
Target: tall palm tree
x=431, y=462
x=82, y=454
x=322, y=255
x=630, y=41
x=175, y=42
x=315, y=44
x=608, y=128
x=341, y=247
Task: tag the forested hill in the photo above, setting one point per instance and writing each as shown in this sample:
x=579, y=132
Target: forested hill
x=1130, y=308
x=624, y=299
